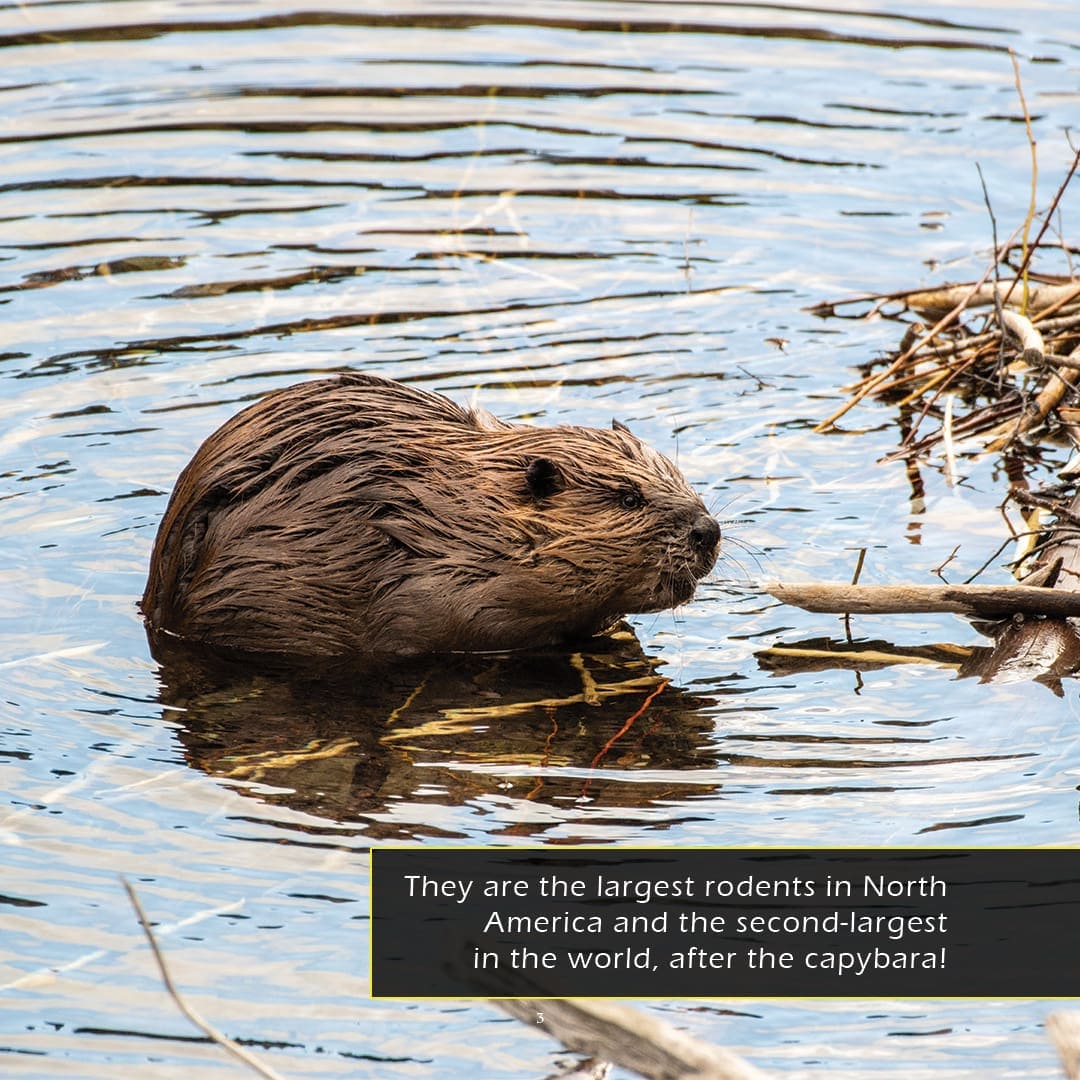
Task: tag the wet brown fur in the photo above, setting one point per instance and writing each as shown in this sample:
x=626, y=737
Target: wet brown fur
x=361, y=516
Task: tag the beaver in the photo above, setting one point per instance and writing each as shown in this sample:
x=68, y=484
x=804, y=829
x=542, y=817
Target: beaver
x=361, y=516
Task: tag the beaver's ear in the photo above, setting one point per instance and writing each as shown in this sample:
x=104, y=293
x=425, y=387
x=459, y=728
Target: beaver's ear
x=544, y=478
x=618, y=425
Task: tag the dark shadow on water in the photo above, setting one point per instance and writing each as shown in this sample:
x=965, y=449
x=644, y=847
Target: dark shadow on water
x=350, y=745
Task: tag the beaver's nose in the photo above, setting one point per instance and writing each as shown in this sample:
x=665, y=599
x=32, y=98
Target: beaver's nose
x=705, y=534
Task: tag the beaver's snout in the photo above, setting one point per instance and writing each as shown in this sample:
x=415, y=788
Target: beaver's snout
x=705, y=538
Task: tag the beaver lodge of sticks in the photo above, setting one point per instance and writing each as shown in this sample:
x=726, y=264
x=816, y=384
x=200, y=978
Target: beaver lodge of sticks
x=990, y=366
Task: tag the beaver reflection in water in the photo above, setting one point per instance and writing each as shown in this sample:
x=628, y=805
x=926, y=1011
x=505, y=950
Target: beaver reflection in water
x=356, y=515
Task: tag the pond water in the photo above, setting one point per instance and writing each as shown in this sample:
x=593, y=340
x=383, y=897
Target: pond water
x=593, y=210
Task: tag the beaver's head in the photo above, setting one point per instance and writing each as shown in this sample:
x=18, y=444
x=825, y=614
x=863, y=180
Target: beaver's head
x=617, y=517
x=546, y=533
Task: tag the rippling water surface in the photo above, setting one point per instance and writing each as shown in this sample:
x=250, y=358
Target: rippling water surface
x=571, y=212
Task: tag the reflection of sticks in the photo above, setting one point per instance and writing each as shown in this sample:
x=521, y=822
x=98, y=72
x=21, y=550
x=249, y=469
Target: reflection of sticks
x=589, y=692
x=458, y=719
x=629, y=722
x=204, y=1026
x=631, y=1038
x=254, y=766
x=981, y=601
x=948, y=656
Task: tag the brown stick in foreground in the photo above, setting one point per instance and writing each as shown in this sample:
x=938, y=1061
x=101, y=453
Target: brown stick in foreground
x=629, y=1037
x=981, y=601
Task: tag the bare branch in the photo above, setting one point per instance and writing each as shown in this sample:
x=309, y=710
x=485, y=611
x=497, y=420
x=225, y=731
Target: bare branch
x=208, y=1029
x=631, y=1038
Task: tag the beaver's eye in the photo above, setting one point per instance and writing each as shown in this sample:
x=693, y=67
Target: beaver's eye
x=631, y=499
